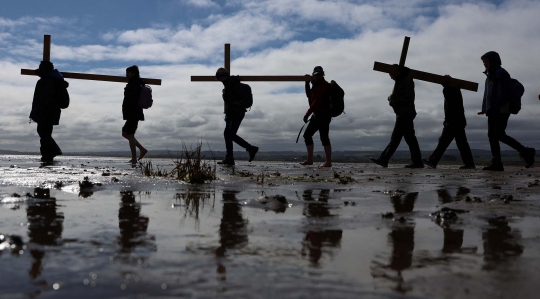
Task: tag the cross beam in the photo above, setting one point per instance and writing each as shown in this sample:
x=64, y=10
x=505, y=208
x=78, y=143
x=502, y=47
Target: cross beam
x=227, y=65
x=424, y=76
x=82, y=76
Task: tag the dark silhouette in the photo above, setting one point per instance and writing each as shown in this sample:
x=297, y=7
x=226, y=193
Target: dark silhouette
x=132, y=224
x=402, y=101
x=319, y=105
x=49, y=97
x=133, y=113
x=500, y=242
x=315, y=240
x=496, y=106
x=234, y=114
x=454, y=127
x=45, y=227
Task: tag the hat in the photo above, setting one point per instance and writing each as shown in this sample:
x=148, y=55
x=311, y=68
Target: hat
x=318, y=70
x=222, y=73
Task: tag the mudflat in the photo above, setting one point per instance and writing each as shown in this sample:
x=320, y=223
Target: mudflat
x=88, y=227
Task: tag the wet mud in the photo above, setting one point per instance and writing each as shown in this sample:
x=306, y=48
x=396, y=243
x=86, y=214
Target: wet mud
x=87, y=227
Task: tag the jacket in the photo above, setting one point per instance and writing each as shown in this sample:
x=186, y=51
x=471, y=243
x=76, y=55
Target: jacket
x=130, y=106
x=402, y=99
x=497, y=92
x=319, y=98
x=454, y=113
x=46, y=102
x=232, y=96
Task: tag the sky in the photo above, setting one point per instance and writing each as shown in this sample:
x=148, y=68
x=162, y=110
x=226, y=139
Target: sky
x=172, y=40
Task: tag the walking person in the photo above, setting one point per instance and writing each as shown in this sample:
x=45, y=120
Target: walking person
x=402, y=101
x=133, y=113
x=234, y=114
x=496, y=106
x=454, y=127
x=50, y=95
x=319, y=105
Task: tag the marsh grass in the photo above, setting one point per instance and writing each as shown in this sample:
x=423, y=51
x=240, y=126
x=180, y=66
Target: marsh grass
x=193, y=203
x=191, y=166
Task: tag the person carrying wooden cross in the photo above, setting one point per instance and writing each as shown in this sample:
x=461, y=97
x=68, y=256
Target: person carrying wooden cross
x=234, y=114
x=50, y=95
x=454, y=128
x=132, y=113
x=402, y=101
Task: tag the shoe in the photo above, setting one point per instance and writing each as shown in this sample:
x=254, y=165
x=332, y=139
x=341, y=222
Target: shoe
x=415, y=165
x=379, y=162
x=227, y=162
x=528, y=156
x=46, y=159
x=429, y=163
x=252, y=152
x=494, y=167
x=467, y=167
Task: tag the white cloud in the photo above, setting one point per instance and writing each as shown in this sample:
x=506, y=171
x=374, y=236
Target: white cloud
x=202, y=3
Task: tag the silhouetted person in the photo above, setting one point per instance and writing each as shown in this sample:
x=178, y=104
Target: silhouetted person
x=454, y=127
x=496, y=106
x=132, y=112
x=402, y=101
x=234, y=114
x=319, y=105
x=49, y=97
x=45, y=226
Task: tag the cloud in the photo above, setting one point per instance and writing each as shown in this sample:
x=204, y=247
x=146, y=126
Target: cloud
x=202, y=3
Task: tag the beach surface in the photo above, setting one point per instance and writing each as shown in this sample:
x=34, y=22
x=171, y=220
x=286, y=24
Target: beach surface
x=88, y=227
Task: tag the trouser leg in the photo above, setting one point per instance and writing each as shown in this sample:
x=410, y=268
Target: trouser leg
x=312, y=128
x=444, y=141
x=463, y=146
x=49, y=148
x=395, y=140
x=324, y=130
x=493, y=140
x=233, y=122
x=412, y=142
x=502, y=123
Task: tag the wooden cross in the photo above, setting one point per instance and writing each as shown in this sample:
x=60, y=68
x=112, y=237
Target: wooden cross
x=227, y=59
x=95, y=77
x=433, y=78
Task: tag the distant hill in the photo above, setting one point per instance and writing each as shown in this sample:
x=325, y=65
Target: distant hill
x=451, y=156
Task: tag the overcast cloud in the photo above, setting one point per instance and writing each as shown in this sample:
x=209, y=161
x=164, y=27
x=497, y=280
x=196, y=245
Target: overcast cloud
x=269, y=38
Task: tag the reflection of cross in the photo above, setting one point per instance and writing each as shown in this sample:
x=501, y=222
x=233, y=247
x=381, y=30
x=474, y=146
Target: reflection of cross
x=388, y=68
x=250, y=78
x=95, y=77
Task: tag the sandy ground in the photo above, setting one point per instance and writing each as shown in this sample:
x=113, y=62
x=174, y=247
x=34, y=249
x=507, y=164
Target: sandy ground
x=352, y=231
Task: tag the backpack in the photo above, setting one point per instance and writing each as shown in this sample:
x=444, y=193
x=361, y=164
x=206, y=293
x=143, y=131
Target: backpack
x=516, y=91
x=62, y=94
x=246, y=97
x=337, y=103
x=145, y=99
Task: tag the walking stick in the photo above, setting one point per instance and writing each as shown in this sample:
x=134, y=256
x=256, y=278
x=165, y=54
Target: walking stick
x=298, y=137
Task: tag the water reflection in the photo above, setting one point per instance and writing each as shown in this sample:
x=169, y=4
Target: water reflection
x=401, y=240
x=233, y=232
x=445, y=197
x=45, y=226
x=132, y=224
x=501, y=242
x=316, y=240
x=193, y=203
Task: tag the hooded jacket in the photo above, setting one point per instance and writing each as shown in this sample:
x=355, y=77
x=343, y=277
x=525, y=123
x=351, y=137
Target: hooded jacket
x=46, y=102
x=130, y=106
x=232, y=95
x=402, y=99
x=454, y=113
x=497, y=88
x=319, y=98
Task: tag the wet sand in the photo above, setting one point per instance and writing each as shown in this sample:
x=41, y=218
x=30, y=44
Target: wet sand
x=303, y=233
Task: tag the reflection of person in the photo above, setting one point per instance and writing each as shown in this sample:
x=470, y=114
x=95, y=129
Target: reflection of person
x=234, y=114
x=404, y=204
x=496, y=106
x=132, y=112
x=316, y=240
x=132, y=224
x=45, y=227
x=319, y=104
x=233, y=228
x=402, y=101
x=49, y=97
x=454, y=127
x=500, y=242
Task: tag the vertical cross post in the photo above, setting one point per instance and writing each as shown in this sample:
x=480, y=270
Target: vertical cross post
x=227, y=57
x=404, y=51
x=46, y=48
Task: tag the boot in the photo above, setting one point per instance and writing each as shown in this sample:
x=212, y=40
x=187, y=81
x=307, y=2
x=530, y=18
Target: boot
x=379, y=161
x=252, y=152
x=494, y=166
x=429, y=163
x=227, y=162
x=527, y=155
